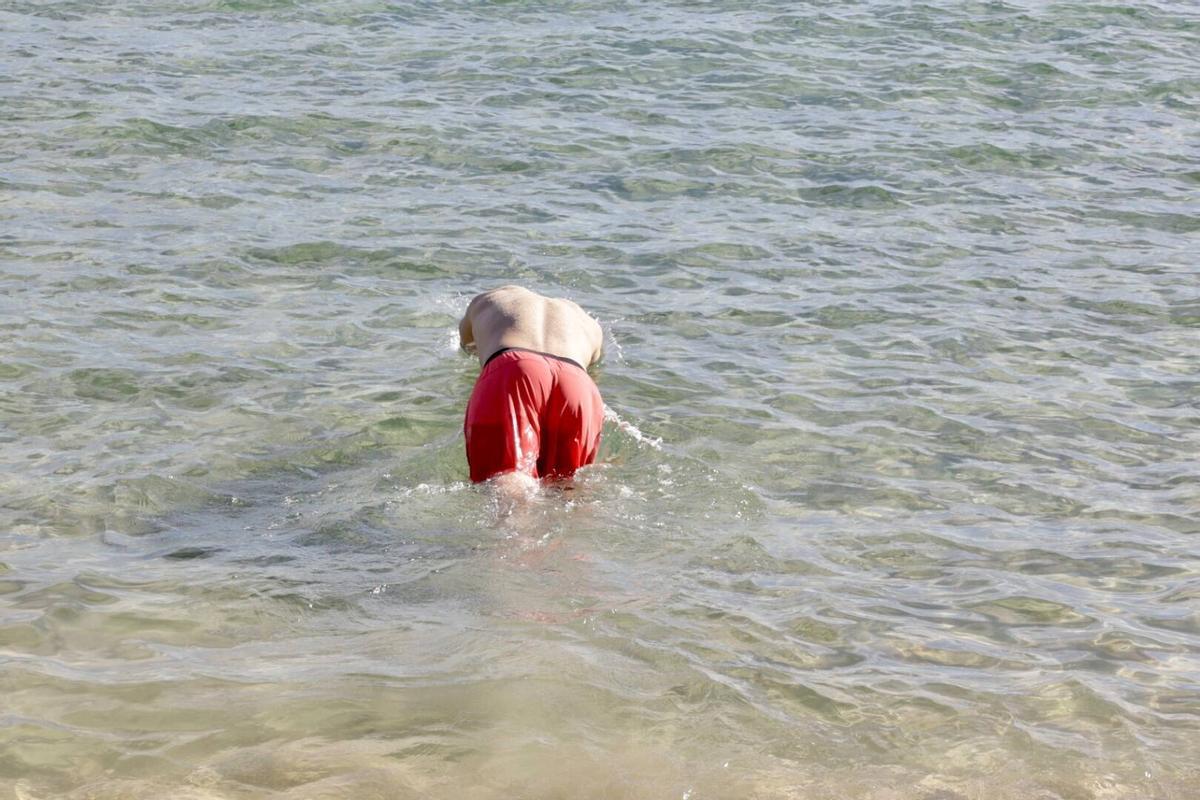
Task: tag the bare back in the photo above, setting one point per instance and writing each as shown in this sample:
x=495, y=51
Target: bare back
x=512, y=316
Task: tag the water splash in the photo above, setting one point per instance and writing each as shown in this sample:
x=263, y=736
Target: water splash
x=611, y=345
x=631, y=430
x=456, y=305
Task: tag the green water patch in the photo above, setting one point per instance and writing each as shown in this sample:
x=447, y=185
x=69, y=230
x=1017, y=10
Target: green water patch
x=397, y=263
x=167, y=323
x=842, y=316
x=1020, y=610
x=1167, y=222
x=744, y=159
x=644, y=190
x=993, y=157
x=192, y=553
x=219, y=134
x=11, y=371
x=757, y=319
x=840, y=195
x=745, y=555
x=717, y=254
x=106, y=384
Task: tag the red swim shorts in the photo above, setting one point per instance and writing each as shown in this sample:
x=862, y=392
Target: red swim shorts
x=533, y=412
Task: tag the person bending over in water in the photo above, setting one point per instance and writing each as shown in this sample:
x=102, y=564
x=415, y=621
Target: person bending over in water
x=534, y=409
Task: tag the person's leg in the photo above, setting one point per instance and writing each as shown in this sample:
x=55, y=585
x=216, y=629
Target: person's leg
x=503, y=425
x=571, y=425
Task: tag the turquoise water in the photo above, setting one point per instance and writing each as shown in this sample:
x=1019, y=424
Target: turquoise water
x=899, y=497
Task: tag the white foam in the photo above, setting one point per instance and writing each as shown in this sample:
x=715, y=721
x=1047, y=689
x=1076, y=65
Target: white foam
x=631, y=430
x=431, y=489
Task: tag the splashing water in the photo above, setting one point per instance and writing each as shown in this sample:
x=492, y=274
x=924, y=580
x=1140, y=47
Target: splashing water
x=631, y=430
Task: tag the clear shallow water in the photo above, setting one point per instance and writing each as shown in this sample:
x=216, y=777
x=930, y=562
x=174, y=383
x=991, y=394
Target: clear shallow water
x=908, y=294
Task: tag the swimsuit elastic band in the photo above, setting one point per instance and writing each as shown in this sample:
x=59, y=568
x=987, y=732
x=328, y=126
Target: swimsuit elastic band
x=535, y=352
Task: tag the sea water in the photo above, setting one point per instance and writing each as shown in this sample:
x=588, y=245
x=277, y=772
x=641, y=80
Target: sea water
x=899, y=495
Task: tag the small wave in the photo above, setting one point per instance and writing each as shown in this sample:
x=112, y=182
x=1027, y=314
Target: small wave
x=432, y=489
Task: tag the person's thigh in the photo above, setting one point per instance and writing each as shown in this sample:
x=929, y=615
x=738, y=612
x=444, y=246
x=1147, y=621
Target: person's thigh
x=572, y=424
x=502, y=427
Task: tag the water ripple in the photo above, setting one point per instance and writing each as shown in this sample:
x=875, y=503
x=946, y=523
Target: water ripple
x=898, y=491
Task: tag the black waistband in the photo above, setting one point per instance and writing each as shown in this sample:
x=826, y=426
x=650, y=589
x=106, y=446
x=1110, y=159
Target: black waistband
x=535, y=352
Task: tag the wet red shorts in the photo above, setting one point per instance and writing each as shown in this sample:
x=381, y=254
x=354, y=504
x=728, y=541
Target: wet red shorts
x=532, y=412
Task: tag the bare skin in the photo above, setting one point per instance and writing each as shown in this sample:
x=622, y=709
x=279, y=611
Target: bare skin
x=512, y=316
